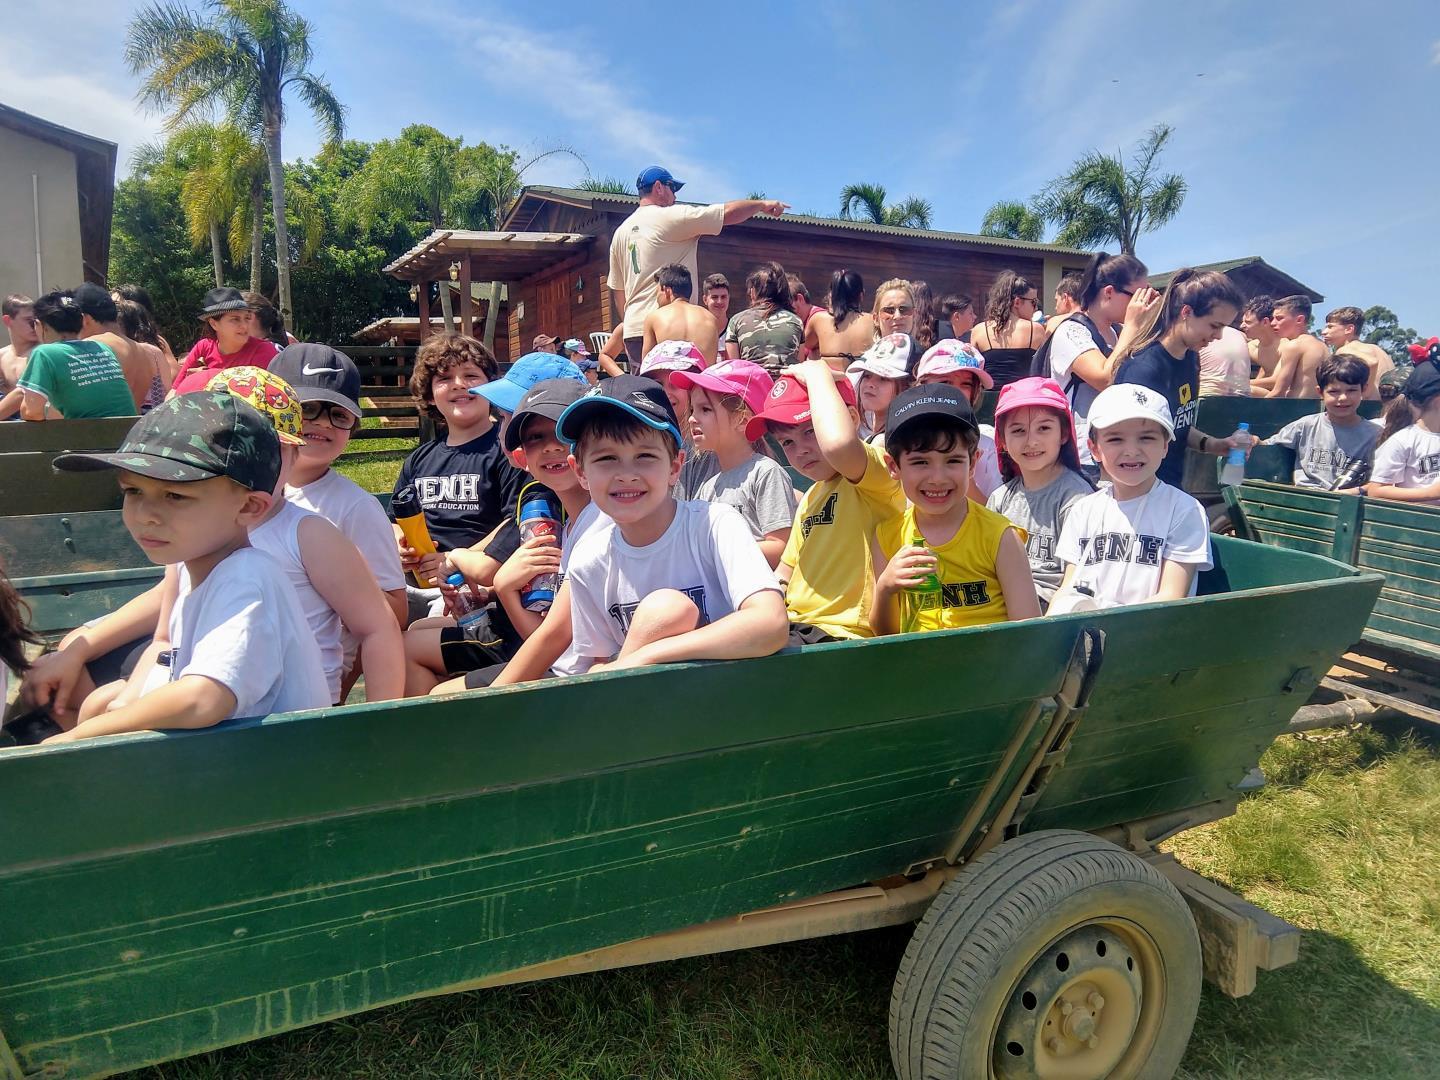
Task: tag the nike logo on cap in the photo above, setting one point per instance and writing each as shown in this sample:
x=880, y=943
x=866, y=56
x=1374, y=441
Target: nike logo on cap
x=308, y=370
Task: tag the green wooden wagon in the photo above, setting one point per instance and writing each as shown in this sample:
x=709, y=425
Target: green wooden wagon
x=1395, y=663
x=1005, y=786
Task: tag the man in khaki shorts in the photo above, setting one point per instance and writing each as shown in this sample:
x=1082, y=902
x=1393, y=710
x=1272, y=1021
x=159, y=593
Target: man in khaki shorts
x=659, y=232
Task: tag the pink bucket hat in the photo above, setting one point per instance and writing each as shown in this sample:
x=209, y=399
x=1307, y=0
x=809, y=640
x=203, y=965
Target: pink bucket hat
x=1032, y=393
x=949, y=355
x=673, y=355
x=750, y=382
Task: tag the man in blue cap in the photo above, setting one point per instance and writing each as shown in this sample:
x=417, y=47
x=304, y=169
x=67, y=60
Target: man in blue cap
x=659, y=232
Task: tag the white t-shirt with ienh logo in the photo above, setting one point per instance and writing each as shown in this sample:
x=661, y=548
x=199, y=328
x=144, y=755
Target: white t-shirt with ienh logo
x=1409, y=459
x=1119, y=548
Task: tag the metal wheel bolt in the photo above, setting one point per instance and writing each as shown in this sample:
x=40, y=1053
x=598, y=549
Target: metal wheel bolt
x=1066, y=1008
x=1096, y=1001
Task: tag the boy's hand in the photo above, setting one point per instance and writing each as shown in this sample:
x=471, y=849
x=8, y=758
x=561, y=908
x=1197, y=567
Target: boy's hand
x=814, y=368
x=538, y=555
x=1237, y=440
x=51, y=680
x=429, y=566
x=409, y=557
x=907, y=569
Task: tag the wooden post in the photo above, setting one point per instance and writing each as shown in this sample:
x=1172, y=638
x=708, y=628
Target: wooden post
x=467, y=309
x=424, y=300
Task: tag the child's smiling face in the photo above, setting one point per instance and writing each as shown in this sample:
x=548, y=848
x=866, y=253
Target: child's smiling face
x=1131, y=452
x=629, y=480
x=936, y=482
x=1032, y=437
x=451, y=392
x=544, y=456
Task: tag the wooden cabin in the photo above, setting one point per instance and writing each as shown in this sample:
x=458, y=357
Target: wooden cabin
x=553, y=251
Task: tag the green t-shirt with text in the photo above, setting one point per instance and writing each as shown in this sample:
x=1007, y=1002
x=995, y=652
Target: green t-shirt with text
x=78, y=379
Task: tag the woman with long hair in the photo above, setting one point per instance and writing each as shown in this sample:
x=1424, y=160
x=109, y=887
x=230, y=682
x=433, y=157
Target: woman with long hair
x=1115, y=298
x=1164, y=356
x=140, y=295
x=841, y=334
x=924, y=335
x=1009, y=334
x=768, y=332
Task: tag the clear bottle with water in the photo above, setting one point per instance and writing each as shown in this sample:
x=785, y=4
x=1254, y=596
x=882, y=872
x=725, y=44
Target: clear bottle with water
x=467, y=606
x=538, y=517
x=1233, y=473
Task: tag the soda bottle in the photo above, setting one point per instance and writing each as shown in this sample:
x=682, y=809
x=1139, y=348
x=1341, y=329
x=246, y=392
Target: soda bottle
x=1233, y=473
x=538, y=517
x=411, y=519
x=923, y=597
x=468, y=607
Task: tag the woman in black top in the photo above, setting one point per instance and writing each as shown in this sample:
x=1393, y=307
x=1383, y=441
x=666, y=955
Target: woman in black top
x=1009, y=335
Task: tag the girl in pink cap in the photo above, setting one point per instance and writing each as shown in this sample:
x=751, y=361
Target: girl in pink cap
x=723, y=400
x=1040, y=463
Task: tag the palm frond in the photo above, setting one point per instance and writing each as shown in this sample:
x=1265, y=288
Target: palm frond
x=868, y=199
x=325, y=107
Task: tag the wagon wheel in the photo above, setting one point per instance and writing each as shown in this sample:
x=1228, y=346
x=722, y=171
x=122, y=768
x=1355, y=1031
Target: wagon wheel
x=1057, y=956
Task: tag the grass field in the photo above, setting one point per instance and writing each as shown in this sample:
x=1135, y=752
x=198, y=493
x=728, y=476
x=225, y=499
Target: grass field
x=1344, y=842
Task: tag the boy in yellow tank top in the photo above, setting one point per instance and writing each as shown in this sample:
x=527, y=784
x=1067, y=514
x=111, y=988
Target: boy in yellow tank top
x=947, y=561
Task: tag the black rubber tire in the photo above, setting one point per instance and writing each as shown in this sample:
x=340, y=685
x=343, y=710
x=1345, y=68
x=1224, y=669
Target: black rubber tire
x=988, y=925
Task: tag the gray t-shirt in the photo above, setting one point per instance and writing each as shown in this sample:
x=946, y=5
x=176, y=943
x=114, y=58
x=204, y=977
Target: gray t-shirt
x=760, y=489
x=1041, y=513
x=700, y=465
x=1324, y=451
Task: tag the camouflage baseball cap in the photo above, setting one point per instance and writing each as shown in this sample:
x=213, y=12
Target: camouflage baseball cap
x=195, y=437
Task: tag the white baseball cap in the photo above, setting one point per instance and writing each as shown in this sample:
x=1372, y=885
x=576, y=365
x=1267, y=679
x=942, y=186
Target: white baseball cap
x=1130, y=401
x=673, y=355
x=889, y=358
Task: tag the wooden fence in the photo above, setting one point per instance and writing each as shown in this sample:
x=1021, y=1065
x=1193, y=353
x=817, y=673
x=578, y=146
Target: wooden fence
x=385, y=385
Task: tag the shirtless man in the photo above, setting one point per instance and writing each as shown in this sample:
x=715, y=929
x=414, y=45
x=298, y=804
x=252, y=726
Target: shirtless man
x=1342, y=334
x=800, y=301
x=1300, y=352
x=715, y=295
x=1264, y=343
x=676, y=318
x=101, y=321
x=18, y=313
x=1067, y=298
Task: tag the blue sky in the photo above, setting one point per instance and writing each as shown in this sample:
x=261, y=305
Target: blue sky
x=1306, y=131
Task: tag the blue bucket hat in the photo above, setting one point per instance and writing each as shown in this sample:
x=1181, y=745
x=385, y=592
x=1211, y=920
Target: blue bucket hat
x=505, y=392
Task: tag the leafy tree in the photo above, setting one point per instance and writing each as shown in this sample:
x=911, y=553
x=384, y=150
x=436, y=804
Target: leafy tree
x=221, y=169
x=1014, y=221
x=1383, y=328
x=611, y=184
x=243, y=58
x=866, y=202
x=1100, y=200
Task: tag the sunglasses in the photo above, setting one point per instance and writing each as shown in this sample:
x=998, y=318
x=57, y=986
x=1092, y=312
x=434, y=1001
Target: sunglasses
x=902, y=309
x=340, y=418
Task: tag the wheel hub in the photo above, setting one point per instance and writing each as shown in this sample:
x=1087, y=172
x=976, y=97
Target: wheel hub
x=1072, y=1014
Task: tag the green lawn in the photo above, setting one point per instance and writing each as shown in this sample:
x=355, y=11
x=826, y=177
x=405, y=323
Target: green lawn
x=1344, y=842
x=375, y=463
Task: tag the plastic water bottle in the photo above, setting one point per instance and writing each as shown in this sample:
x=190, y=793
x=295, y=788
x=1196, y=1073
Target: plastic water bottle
x=923, y=597
x=1233, y=473
x=467, y=606
x=538, y=517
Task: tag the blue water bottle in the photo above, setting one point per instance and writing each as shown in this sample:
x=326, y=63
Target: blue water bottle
x=538, y=517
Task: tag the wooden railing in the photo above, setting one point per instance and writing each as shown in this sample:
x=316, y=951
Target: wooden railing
x=385, y=383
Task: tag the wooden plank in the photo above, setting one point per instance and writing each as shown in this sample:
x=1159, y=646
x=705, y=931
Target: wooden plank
x=33, y=487
x=1379, y=697
x=42, y=545
x=365, y=352
x=1414, y=575
x=51, y=435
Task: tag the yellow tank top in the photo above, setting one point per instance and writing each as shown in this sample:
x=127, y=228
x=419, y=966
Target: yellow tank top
x=970, y=593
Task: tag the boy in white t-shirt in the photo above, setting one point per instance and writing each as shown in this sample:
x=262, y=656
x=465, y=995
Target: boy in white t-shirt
x=661, y=580
x=197, y=473
x=1137, y=539
x=327, y=382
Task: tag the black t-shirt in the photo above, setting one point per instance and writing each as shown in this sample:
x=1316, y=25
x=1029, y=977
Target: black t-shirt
x=507, y=538
x=1179, y=381
x=465, y=490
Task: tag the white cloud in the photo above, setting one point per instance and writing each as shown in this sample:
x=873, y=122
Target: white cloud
x=1435, y=53
x=513, y=59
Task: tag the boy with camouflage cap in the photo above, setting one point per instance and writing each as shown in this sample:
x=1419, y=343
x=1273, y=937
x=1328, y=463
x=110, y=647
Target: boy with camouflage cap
x=196, y=473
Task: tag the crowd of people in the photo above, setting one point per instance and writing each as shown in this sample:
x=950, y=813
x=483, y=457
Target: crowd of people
x=667, y=524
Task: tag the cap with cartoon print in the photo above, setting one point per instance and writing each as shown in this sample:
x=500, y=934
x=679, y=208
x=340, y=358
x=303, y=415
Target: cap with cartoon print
x=269, y=394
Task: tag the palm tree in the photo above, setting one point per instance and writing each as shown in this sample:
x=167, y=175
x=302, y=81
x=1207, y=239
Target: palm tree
x=1014, y=221
x=243, y=58
x=866, y=202
x=1099, y=200
x=222, y=174
x=612, y=185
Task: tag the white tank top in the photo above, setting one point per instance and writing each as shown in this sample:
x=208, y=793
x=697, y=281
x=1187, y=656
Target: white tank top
x=280, y=539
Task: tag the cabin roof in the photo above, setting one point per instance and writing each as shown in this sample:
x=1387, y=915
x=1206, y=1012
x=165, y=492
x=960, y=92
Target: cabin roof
x=1254, y=276
x=533, y=198
x=505, y=255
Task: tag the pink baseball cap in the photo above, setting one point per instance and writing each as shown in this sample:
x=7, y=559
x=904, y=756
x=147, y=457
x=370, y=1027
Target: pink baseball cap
x=673, y=355
x=789, y=403
x=1032, y=393
x=950, y=355
x=748, y=381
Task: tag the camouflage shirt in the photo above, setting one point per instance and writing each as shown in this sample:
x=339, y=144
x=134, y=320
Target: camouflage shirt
x=768, y=338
